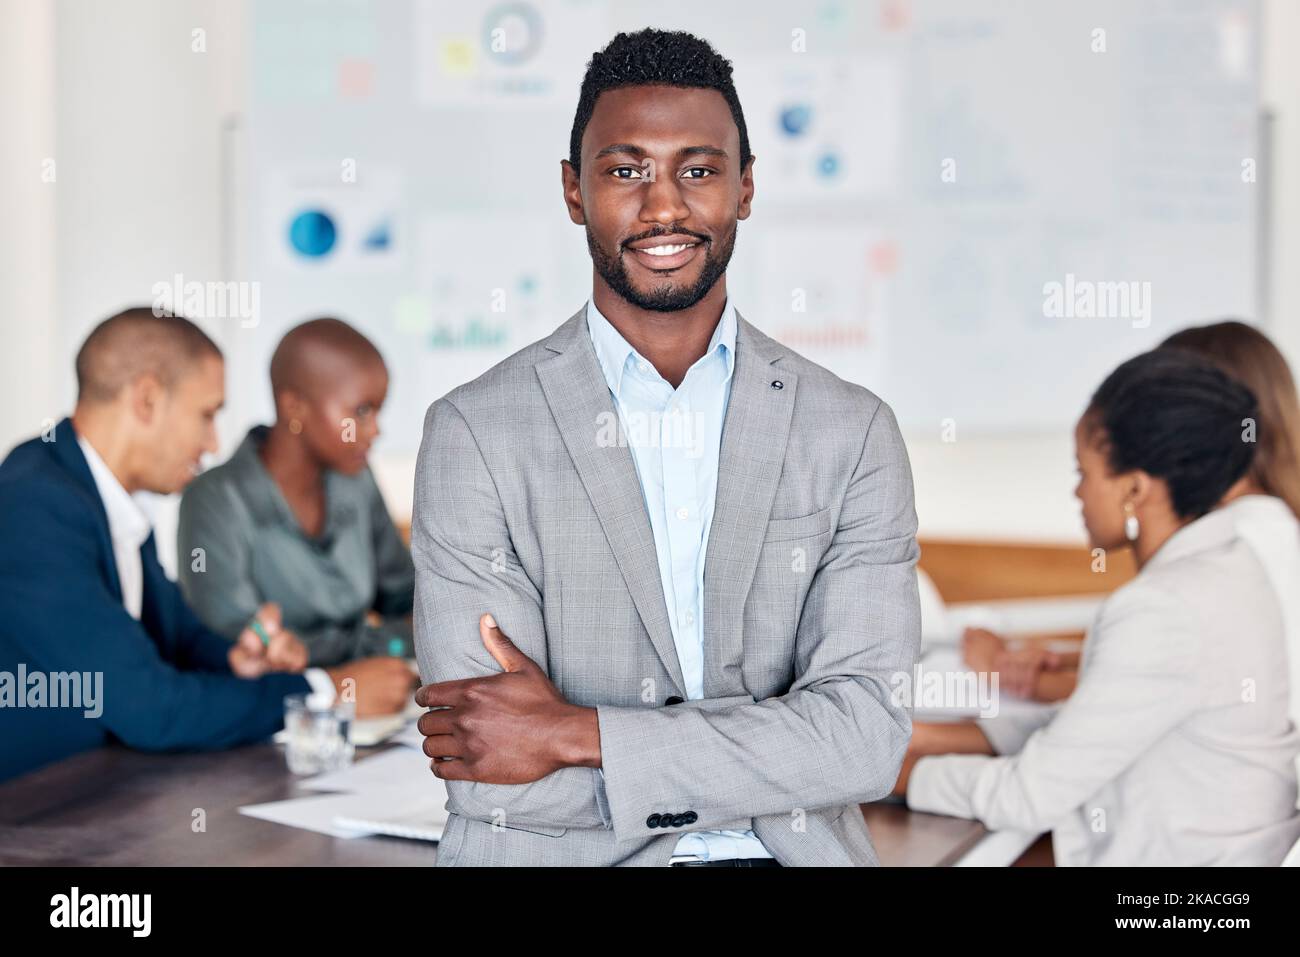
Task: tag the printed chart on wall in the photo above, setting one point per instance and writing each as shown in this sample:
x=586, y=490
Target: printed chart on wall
x=913, y=230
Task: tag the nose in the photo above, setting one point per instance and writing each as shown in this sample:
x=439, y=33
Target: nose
x=664, y=202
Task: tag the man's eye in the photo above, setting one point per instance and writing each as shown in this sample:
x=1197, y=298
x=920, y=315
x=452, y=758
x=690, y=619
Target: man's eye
x=626, y=169
x=704, y=171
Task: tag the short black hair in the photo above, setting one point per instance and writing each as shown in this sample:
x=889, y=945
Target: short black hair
x=655, y=58
x=136, y=341
x=1179, y=418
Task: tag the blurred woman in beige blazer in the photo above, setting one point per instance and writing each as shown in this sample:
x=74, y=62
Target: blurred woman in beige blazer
x=1177, y=745
x=1035, y=671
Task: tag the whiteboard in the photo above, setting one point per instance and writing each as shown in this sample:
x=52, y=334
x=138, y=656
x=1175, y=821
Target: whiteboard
x=942, y=186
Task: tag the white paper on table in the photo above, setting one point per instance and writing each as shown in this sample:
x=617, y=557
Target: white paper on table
x=1013, y=617
x=371, y=731
x=997, y=849
x=417, y=821
x=368, y=732
x=949, y=661
x=394, y=768
x=314, y=813
x=390, y=793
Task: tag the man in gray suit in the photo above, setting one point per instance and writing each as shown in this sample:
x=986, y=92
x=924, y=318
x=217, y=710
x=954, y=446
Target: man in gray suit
x=686, y=550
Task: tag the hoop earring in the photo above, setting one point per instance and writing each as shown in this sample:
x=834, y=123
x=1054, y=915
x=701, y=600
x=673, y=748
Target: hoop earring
x=295, y=426
x=1131, y=527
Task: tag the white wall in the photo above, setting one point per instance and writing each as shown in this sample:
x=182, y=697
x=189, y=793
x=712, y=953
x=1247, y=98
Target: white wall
x=139, y=119
x=1020, y=487
x=28, y=386
x=134, y=118
x=1282, y=96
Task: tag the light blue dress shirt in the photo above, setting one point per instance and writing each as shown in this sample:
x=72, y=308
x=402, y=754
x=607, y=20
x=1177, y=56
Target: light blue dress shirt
x=675, y=437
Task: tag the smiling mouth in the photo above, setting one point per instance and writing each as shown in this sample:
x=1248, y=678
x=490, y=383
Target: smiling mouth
x=666, y=254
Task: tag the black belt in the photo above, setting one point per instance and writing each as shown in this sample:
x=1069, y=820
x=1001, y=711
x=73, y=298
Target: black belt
x=733, y=862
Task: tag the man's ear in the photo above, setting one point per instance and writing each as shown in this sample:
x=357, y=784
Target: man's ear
x=145, y=397
x=746, y=189
x=571, y=183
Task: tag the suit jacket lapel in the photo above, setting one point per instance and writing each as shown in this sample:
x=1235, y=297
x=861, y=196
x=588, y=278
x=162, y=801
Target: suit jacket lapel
x=579, y=398
x=755, y=432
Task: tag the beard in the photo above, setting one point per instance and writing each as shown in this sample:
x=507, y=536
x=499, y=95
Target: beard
x=666, y=297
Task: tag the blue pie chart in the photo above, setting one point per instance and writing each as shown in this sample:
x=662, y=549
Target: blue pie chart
x=312, y=233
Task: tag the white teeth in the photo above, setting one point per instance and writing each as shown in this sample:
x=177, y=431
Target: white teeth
x=666, y=250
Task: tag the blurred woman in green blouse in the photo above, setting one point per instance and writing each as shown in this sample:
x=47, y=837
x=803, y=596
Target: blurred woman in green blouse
x=295, y=517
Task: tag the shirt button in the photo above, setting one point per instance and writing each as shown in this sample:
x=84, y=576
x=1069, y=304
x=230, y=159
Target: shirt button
x=690, y=618
x=683, y=513
x=643, y=366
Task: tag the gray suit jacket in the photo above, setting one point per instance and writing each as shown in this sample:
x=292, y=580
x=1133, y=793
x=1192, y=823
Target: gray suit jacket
x=524, y=509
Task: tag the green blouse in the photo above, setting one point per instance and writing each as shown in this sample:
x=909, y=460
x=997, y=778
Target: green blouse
x=240, y=545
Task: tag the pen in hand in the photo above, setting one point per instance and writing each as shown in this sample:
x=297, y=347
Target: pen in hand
x=260, y=629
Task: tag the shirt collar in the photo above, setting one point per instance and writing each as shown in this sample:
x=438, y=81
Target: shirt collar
x=1262, y=506
x=613, y=351
x=1212, y=530
x=128, y=519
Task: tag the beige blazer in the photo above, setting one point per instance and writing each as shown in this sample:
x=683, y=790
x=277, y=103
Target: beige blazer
x=1177, y=747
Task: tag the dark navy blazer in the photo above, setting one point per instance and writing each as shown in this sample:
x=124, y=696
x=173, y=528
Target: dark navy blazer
x=166, y=683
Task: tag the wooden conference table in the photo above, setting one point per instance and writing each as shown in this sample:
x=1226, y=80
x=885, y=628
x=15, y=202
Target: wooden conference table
x=113, y=806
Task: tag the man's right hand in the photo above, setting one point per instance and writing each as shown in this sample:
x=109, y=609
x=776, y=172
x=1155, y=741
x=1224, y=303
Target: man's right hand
x=376, y=686
x=249, y=658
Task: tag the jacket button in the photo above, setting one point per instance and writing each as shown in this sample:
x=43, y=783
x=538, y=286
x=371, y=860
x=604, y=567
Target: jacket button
x=652, y=821
x=679, y=820
x=673, y=699
x=690, y=817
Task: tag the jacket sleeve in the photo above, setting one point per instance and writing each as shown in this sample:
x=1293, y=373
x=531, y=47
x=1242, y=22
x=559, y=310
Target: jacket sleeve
x=212, y=562
x=1139, y=679
x=838, y=736
x=189, y=644
x=63, y=617
x=1007, y=733
x=465, y=565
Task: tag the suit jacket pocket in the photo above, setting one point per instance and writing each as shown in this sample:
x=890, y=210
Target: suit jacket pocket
x=801, y=526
